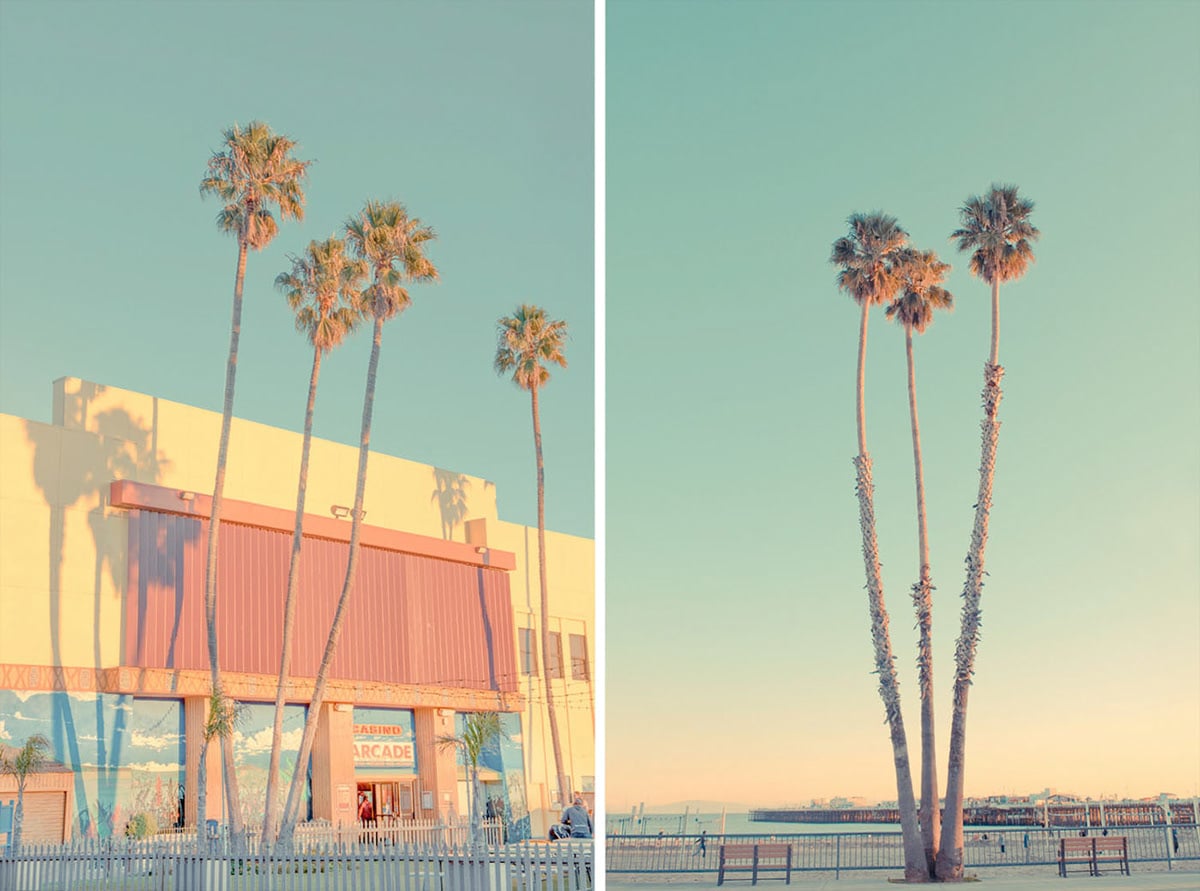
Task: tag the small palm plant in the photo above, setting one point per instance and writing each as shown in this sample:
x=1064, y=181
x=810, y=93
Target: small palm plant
x=323, y=289
x=868, y=257
x=921, y=275
x=253, y=171
x=224, y=714
x=480, y=730
x=997, y=230
x=21, y=764
x=528, y=342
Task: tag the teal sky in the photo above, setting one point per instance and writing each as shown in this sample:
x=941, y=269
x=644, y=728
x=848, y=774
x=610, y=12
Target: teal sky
x=740, y=137
x=479, y=117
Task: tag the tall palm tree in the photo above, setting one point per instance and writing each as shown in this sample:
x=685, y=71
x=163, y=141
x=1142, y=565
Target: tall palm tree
x=392, y=245
x=323, y=290
x=253, y=171
x=527, y=343
x=23, y=763
x=867, y=257
x=921, y=292
x=480, y=729
x=996, y=229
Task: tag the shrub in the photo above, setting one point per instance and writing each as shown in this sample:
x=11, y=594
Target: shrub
x=141, y=825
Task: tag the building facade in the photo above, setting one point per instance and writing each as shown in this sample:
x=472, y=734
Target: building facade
x=104, y=517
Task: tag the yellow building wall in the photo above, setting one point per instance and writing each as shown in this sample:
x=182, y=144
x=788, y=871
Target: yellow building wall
x=570, y=577
x=63, y=551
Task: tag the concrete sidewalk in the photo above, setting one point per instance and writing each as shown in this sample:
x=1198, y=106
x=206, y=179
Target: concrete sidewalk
x=1151, y=881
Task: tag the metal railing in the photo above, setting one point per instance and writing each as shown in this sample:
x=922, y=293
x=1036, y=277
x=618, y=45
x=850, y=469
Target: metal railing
x=126, y=865
x=835, y=852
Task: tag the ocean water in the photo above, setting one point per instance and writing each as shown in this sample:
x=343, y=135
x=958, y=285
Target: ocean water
x=735, y=824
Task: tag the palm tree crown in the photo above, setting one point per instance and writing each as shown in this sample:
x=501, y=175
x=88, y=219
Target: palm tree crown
x=867, y=257
x=527, y=342
x=996, y=228
x=920, y=275
x=392, y=244
x=323, y=289
x=255, y=169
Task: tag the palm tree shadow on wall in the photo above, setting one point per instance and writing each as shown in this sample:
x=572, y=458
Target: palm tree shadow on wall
x=450, y=495
x=488, y=633
x=79, y=481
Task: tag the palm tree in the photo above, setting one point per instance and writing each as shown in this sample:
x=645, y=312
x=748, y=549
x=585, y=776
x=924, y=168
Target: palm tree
x=921, y=292
x=392, y=245
x=996, y=229
x=867, y=257
x=253, y=171
x=323, y=291
x=29, y=759
x=480, y=729
x=527, y=343
x=219, y=724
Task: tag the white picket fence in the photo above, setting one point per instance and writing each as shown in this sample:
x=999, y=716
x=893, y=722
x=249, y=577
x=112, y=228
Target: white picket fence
x=360, y=866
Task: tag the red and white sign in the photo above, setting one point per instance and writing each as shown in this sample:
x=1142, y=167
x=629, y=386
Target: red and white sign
x=383, y=745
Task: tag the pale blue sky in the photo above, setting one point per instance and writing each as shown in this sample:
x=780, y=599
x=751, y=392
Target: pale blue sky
x=479, y=116
x=740, y=137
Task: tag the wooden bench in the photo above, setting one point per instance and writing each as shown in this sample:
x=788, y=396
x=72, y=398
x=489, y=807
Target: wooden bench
x=755, y=858
x=1111, y=849
x=1092, y=852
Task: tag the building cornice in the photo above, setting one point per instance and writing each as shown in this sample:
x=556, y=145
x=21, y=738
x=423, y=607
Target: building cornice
x=180, y=683
x=144, y=496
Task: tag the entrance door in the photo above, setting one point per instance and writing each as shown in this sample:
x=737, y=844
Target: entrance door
x=407, y=801
x=390, y=799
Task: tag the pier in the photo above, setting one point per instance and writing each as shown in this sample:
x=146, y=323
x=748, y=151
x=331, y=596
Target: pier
x=1073, y=814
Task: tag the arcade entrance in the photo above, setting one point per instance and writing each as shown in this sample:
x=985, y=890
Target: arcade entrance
x=390, y=799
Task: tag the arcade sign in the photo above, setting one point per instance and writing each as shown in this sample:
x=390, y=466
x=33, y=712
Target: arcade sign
x=383, y=746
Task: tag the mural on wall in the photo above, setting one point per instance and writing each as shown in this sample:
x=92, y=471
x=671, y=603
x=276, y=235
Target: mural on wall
x=252, y=754
x=504, y=756
x=131, y=765
x=384, y=742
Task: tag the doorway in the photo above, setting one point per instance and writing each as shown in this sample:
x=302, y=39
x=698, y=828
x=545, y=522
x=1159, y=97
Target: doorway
x=391, y=800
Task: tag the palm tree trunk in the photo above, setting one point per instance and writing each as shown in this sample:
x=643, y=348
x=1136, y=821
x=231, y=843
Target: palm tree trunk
x=994, y=356
x=291, y=809
x=475, y=815
x=914, y=859
x=862, y=378
x=202, y=800
x=18, y=817
x=271, y=817
x=930, y=813
x=214, y=527
x=950, y=857
x=563, y=791
x=889, y=691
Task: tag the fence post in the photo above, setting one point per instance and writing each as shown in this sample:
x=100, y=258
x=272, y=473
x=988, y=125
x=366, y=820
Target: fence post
x=837, y=864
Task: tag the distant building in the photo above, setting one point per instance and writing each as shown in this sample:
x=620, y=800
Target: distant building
x=103, y=532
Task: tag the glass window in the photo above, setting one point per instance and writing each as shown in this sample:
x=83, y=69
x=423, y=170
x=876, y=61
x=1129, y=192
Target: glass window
x=528, y=651
x=579, y=663
x=554, y=663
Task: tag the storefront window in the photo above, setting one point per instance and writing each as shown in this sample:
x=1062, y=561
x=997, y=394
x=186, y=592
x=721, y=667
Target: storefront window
x=126, y=753
x=252, y=755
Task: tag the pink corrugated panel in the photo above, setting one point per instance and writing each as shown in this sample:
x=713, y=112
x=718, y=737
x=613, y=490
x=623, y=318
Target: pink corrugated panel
x=412, y=619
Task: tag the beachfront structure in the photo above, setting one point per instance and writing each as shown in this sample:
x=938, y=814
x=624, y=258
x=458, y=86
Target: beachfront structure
x=103, y=535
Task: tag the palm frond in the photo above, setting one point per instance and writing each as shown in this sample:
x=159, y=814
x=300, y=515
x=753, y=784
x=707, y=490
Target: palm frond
x=996, y=227
x=253, y=170
x=526, y=342
x=866, y=256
